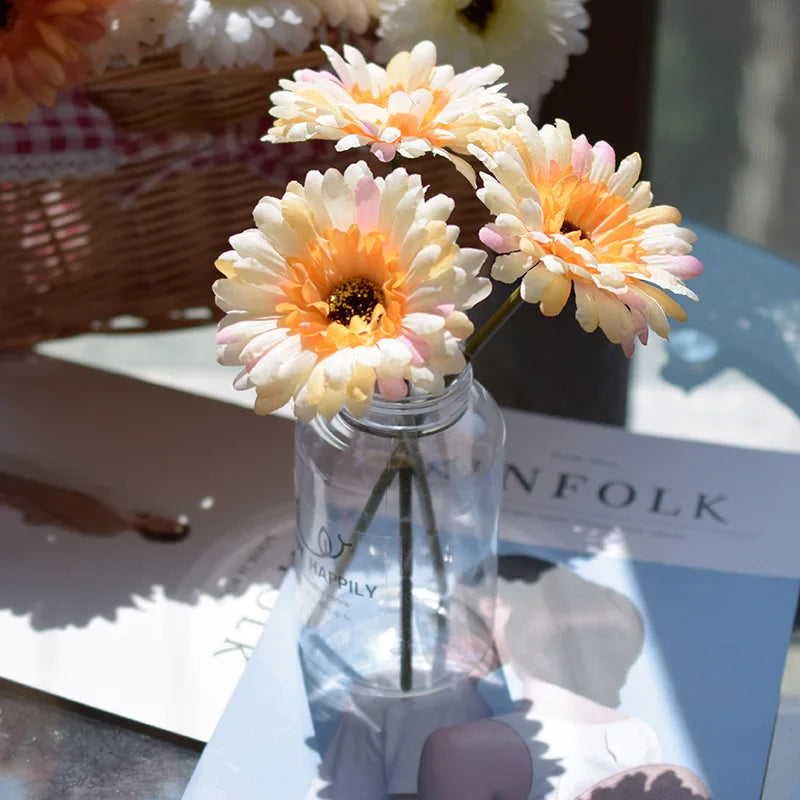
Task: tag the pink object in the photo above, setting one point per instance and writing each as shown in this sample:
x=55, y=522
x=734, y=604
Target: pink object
x=494, y=240
x=383, y=151
x=367, y=200
x=581, y=155
x=420, y=349
x=393, y=388
x=686, y=267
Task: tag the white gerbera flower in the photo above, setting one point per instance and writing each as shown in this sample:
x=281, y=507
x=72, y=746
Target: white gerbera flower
x=569, y=219
x=346, y=280
x=532, y=39
x=221, y=33
x=412, y=107
x=131, y=26
x=355, y=15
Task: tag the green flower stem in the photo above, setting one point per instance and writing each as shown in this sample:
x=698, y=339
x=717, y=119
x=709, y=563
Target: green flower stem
x=405, y=485
x=364, y=521
x=435, y=544
x=489, y=328
x=428, y=516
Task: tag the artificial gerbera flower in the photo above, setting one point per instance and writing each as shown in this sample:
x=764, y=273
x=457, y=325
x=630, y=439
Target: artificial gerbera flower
x=412, y=107
x=532, y=39
x=43, y=50
x=222, y=33
x=355, y=15
x=347, y=280
x=131, y=27
x=569, y=219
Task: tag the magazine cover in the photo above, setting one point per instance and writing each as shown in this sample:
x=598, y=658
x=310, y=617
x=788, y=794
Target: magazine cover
x=647, y=648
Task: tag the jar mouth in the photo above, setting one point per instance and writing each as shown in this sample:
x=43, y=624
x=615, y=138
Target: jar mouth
x=418, y=414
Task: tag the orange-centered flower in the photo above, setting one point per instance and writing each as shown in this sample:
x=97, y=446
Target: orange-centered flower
x=346, y=281
x=43, y=50
x=410, y=108
x=568, y=219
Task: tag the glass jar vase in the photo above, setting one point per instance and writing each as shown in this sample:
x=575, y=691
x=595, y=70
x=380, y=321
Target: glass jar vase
x=397, y=516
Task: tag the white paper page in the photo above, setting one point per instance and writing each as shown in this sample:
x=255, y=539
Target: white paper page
x=598, y=489
x=153, y=631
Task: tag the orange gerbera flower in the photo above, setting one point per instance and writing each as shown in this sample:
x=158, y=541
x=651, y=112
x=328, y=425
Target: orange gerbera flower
x=568, y=219
x=42, y=50
x=348, y=280
x=410, y=108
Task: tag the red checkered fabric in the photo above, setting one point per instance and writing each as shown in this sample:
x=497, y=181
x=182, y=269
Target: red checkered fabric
x=72, y=139
x=76, y=139
x=238, y=144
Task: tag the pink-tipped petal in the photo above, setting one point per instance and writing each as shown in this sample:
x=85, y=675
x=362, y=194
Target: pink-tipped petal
x=393, y=388
x=686, y=267
x=383, y=151
x=605, y=152
x=628, y=346
x=368, y=201
x=494, y=240
x=581, y=155
x=421, y=351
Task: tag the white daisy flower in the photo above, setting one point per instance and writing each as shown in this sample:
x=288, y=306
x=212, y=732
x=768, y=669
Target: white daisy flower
x=532, y=39
x=346, y=281
x=355, y=15
x=131, y=27
x=410, y=108
x=221, y=33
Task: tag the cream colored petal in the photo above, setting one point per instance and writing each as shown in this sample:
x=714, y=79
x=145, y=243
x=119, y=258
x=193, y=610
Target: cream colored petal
x=424, y=261
x=278, y=396
x=265, y=370
x=510, y=268
x=262, y=343
x=555, y=294
x=657, y=215
x=422, y=323
x=459, y=324
x=338, y=198
x=233, y=295
x=496, y=197
x=534, y=283
x=626, y=175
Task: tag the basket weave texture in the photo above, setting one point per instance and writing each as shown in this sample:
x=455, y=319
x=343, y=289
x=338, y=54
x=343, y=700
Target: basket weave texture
x=140, y=243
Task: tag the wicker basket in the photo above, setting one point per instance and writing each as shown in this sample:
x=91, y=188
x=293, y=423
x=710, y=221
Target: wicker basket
x=140, y=242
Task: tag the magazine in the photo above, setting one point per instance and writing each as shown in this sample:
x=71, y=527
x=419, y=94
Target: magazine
x=646, y=595
x=101, y=600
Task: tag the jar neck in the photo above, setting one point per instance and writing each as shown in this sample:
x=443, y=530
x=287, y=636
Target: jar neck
x=417, y=414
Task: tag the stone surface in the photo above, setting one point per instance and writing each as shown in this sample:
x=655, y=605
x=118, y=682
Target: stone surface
x=51, y=749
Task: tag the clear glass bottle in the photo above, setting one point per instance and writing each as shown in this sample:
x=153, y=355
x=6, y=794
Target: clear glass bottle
x=397, y=517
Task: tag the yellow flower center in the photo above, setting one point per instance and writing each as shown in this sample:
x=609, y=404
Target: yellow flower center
x=347, y=290
x=478, y=13
x=354, y=297
x=587, y=212
x=568, y=227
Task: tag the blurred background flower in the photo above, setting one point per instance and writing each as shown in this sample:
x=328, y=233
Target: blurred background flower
x=531, y=39
x=131, y=26
x=355, y=15
x=43, y=51
x=218, y=33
